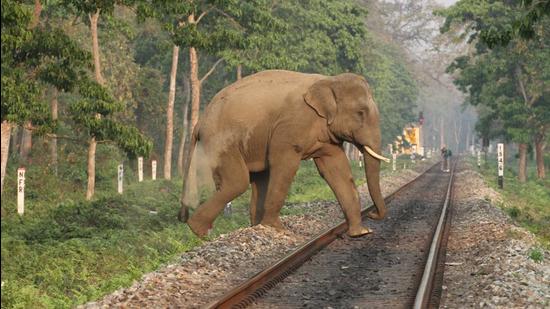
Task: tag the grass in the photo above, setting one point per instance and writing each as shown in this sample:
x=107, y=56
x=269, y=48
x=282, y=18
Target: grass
x=536, y=254
x=528, y=204
x=66, y=251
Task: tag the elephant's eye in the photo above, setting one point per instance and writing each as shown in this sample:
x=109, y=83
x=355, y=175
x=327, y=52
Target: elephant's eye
x=361, y=113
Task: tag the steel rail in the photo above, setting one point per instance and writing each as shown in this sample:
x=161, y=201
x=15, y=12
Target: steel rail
x=425, y=288
x=254, y=288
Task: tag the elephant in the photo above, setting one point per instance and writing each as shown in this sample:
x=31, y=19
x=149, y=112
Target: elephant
x=258, y=129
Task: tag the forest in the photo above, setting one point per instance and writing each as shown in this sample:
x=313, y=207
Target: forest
x=88, y=85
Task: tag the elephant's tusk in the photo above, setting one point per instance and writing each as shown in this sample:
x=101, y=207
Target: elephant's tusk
x=377, y=156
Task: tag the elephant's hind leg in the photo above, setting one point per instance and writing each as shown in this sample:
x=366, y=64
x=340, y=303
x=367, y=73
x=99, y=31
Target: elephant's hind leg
x=232, y=179
x=259, y=183
x=283, y=168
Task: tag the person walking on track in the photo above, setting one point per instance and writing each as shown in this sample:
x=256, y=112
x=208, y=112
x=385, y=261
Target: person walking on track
x=445, y=155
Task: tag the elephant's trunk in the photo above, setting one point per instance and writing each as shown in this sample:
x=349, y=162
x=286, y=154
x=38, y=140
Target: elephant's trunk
x=372, y=172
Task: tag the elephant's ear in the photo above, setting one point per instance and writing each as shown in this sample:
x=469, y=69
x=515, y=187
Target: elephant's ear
x=322, y=99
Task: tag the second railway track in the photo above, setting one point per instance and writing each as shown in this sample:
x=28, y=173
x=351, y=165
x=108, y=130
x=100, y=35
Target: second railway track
x=384, y=269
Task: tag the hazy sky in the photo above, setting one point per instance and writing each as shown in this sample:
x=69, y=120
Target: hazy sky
x=446, y=2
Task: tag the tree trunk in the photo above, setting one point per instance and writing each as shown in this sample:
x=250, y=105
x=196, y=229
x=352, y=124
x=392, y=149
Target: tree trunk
x=539, y=153
x=90, y=190
x=239, y=72
x=53, y=141
x=457, y=133
x=26, y=143
x=36, y=14
x=183, y=141
x=195, y=87
x=95, y=47
x=522, y=168
x=170, y=115
x=26, y=137
x=15, y=140
x=468, y=133
x=6, y=133
x=195, y=81
x=441, y=134
x=99, y=78
x=185, y=130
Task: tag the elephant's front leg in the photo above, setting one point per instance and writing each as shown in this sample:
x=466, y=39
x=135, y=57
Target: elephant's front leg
x=282, y=169
x=334, y=168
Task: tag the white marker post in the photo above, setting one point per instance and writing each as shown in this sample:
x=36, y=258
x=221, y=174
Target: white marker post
x=360, y=160
x=140, y=169
x=500, y=158
x=421, y=151
x=227, y=210
x=394, y=161
x=21, y=190
x=120, y=177
x=479, y=158
x=154, y=169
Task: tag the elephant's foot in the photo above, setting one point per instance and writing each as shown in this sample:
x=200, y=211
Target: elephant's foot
x=358, y=231
x=372, y=213
x=199, y=229
x=274, y=223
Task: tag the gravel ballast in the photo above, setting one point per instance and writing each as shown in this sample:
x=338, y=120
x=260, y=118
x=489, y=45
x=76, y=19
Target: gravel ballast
x=487, y=262
x=205, y=273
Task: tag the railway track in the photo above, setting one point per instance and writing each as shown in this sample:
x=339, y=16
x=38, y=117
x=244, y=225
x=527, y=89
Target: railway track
x=399, y=266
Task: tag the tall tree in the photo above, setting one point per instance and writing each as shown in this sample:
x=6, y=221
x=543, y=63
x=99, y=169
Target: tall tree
x=26, y=136
x=212, y=27
x=53, y=139
x=181, y=20
x=185, y=128
x=31, y=58
x=170, y=115
x=91, y=10
x=510, y=78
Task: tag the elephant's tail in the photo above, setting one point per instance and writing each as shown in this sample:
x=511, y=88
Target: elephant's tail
x=184, y=211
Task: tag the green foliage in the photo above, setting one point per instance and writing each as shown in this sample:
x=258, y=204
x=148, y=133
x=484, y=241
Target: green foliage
x=330, y=39
x=513, y=212
x=85, y=7
x=508, y=20
x=96, y=100
x=218, y=31
x=65, y=251
x=510, y=81
x=79, y=250
x=536, y=254
x=526, y=203
x=395, y=90
x=31, y=58
x=62, y=255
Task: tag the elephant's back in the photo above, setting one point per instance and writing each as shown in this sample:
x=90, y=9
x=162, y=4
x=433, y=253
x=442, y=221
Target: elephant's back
x=265, y=87
x=257, y=98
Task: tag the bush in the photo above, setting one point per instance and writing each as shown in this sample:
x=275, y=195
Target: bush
x=536, y=255
x=66, y=251
x=513, y=212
